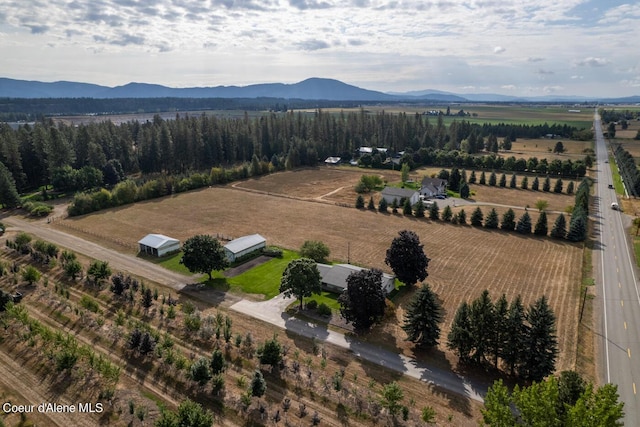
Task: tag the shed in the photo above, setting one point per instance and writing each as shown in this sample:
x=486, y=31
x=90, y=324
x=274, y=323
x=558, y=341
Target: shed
x=158, y=245
x=334, y=277
x=332, y=160
x=243, y=246
x=400, y=194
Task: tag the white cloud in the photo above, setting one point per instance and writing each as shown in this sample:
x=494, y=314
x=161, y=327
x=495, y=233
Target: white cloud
x=384, y=44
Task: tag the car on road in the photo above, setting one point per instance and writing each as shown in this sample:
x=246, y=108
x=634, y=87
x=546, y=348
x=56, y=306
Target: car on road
x=441, y=196
x=615, y=206
x=610, y=185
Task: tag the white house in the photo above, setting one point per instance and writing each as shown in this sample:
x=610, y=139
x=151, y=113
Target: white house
x=158, y=245
x=431, y=187
x=244, y=245
x=334, y=277
x=400, y=194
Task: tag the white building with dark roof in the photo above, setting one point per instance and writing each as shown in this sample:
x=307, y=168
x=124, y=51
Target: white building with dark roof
x=334, y=277
x=244, y=245
x=400, y=195
x=158, y=245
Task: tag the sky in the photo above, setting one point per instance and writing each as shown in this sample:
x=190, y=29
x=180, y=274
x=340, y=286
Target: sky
x=511, y=47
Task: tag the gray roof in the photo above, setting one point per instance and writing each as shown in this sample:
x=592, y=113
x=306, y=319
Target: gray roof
x=245, y=242
x=337, y=274
x=157, y=240
x=433, y=181
x=398, y=192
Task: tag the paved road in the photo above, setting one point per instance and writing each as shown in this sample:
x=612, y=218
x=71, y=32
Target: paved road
x=618, y=296
x=272, y=311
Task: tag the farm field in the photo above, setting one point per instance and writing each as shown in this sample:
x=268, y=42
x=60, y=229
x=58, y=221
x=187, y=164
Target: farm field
x=483, y=113
x=542, y=149
x=465, y=260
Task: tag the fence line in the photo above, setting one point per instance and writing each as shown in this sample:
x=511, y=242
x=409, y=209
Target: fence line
x=120, y=242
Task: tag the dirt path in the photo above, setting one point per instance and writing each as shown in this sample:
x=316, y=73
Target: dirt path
x=125, y=263
x=20, y=382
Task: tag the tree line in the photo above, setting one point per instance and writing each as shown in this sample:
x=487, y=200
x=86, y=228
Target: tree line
x=195, y=143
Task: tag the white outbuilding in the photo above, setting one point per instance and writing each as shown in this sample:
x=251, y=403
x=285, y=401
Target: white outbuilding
x=158, y=245
x=243, y=246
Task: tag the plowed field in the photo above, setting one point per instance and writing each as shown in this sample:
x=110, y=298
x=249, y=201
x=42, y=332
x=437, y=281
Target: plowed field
x=464, y=260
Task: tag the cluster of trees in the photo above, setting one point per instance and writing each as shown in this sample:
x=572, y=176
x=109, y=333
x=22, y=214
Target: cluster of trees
x=628, y=169
x=578, y=226
x=616, y=115
x=33, y=152
x=535, y=185
x=564, y=401
x=506, y=335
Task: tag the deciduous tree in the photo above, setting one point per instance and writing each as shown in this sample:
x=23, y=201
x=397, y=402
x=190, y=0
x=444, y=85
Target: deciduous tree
x=315, y=250
x=407, y=259
x=301, y=279
x=203, y=254
x=363, y=302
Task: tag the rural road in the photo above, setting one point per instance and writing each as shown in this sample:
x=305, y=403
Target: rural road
x=125, y=263
x=618, y=299
x=272, y=311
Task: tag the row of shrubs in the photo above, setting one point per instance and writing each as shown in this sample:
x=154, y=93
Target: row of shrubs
x=130, y=191
x=524, y=183
x=36, y=208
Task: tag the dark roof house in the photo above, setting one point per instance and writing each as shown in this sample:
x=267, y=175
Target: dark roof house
x=334, y=277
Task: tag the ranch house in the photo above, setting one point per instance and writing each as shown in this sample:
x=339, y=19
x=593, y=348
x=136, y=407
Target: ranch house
x=158, y=245
x=243, y=246
x=334, y=277
x=431, y=187
x=400, y=195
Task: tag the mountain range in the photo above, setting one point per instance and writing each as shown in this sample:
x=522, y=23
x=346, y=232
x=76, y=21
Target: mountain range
x=309, y=89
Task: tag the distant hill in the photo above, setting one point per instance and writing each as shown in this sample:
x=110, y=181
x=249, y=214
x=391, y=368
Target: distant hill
x=309, y=89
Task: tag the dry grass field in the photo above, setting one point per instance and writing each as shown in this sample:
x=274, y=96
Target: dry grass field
x=542, y=149
x=464, y=260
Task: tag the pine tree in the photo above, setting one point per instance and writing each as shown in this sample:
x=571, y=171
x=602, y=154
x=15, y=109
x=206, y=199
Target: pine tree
x=525, y=183
x=515, y=331
x=460, y=338
x=258, y=384
x=360, y=202
x=9, y=197
x=508, y=220
x=462, y=217
x=559, y=230
x=464, y=190
x=472, y=177
x=535, y=185
x=503, y=180
x=419, y=209
x=570, y=188
x=492, y=179
x=577, y=227
x=557, y=188
x=483, y=178
x=447, y=213
x=492, y=219
x=423, y=317
x=546, y=185
x=383, y=206
x=477, y=217
x=371, y=206
x=541, y=228
x=394, y=206
x=406, y=207
x=499, y=336
x=513, y=182
x=434, y=211
x=541, y=343
x=524, y=224
x=482, y=319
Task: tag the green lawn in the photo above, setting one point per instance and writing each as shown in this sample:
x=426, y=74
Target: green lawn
x=617, y=180
x=170, y=262
x=265, y=278
x=328, y=298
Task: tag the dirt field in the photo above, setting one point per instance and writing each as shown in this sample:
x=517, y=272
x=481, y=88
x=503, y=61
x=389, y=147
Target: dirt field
x=542, y=148
x=464, y=260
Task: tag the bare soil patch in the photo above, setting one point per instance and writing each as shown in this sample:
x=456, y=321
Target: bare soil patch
x=465, y=260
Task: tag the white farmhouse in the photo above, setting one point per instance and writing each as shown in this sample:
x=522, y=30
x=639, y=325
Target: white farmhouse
x=244, y=245
x=431, y=187
x=158, y=245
